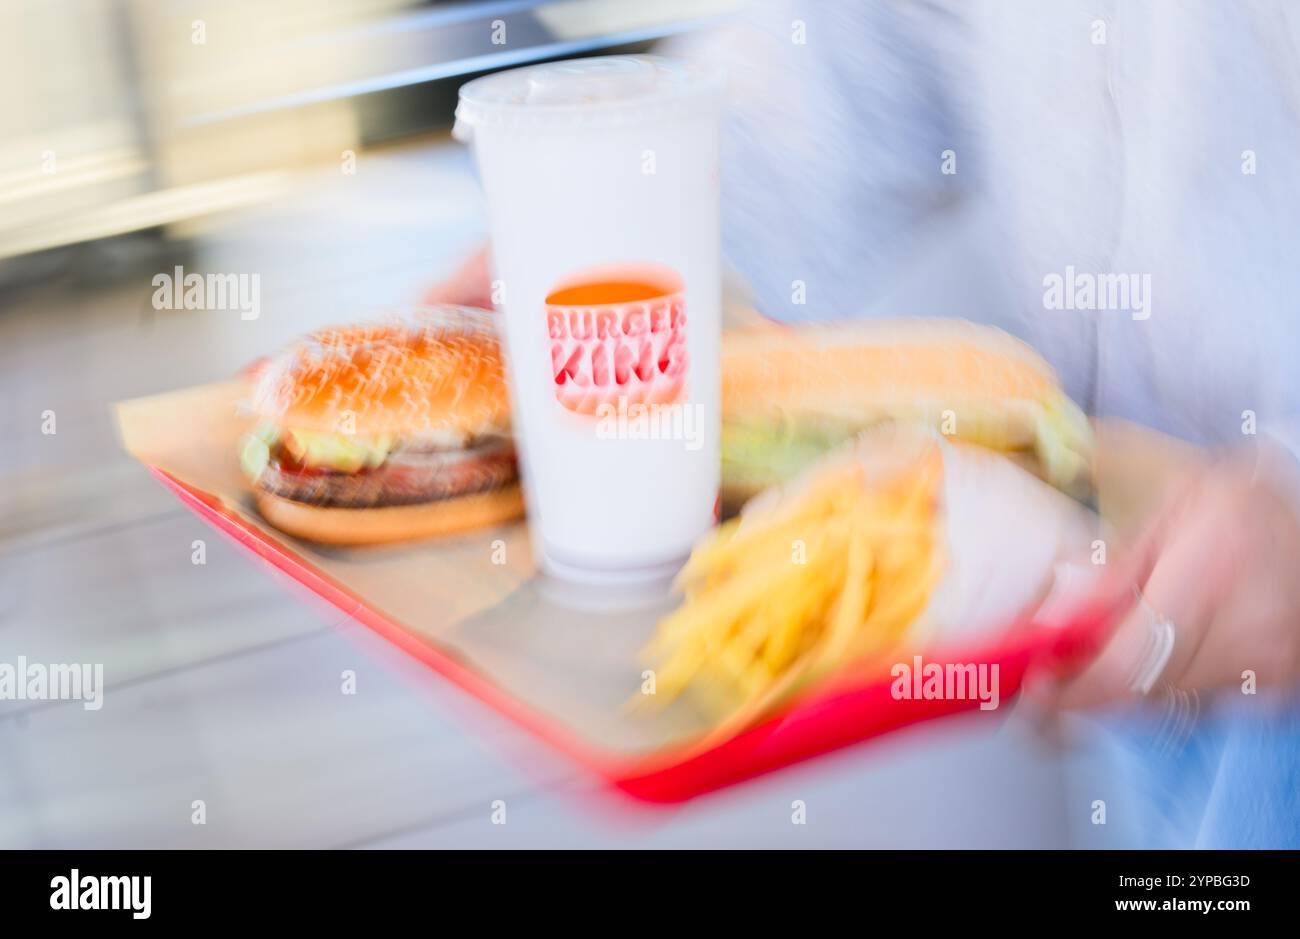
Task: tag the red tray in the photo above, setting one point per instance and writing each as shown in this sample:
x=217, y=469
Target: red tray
x=814, y=726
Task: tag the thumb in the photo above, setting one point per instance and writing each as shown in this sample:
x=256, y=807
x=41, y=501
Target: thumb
x=1104, y=676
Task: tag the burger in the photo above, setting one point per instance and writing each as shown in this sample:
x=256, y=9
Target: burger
x=791, y=393
x=385, y=432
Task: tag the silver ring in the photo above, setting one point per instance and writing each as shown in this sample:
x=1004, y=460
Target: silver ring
x=1156, y=652
x=1182, y=708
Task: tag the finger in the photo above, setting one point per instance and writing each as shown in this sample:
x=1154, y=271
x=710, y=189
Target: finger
x=461, y=292
x=1172, y=592
x=1112, y=595
x=1106, y=678
x=469, y=285
x=1190, y=586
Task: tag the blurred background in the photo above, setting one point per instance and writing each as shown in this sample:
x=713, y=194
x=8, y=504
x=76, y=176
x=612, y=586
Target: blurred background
x=127, y=115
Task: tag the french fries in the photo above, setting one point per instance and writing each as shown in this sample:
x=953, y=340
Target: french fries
x=804, y=584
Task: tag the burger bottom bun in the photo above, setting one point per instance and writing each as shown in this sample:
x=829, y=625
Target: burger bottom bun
x=344, y=526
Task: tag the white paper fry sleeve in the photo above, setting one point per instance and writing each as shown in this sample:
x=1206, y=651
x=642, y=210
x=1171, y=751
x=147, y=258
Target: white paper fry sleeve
x=1006, y=532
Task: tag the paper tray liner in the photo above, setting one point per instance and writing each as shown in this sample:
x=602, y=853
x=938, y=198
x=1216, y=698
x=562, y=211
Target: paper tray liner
x=509, y=636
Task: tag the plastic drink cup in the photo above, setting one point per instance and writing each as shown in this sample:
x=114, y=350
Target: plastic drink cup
x=601, y=178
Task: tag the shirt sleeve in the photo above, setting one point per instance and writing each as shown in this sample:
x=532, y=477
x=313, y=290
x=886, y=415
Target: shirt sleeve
x=841, y=120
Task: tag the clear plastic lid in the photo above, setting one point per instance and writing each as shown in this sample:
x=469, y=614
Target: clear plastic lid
x=604, y=91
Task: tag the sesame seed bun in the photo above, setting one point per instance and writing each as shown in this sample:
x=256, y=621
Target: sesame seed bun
x=436, y=372
x=424, y=398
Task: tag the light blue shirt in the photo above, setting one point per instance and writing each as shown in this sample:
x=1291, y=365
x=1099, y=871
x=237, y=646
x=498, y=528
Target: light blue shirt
x=948, y=158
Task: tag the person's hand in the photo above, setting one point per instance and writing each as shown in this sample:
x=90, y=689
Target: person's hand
x=1221, y=562
x=469, y=285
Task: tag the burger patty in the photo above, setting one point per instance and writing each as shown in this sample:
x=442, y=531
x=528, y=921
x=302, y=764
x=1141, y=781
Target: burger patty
x=405, y=478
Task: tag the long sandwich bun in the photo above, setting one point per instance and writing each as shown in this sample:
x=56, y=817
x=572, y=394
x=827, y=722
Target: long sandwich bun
x=435, y=372
x=790, y=393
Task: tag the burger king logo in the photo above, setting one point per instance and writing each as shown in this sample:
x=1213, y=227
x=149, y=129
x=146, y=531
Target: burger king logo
x=617, y=337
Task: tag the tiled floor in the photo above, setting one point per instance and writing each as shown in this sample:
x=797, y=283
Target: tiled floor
x=223, y=679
